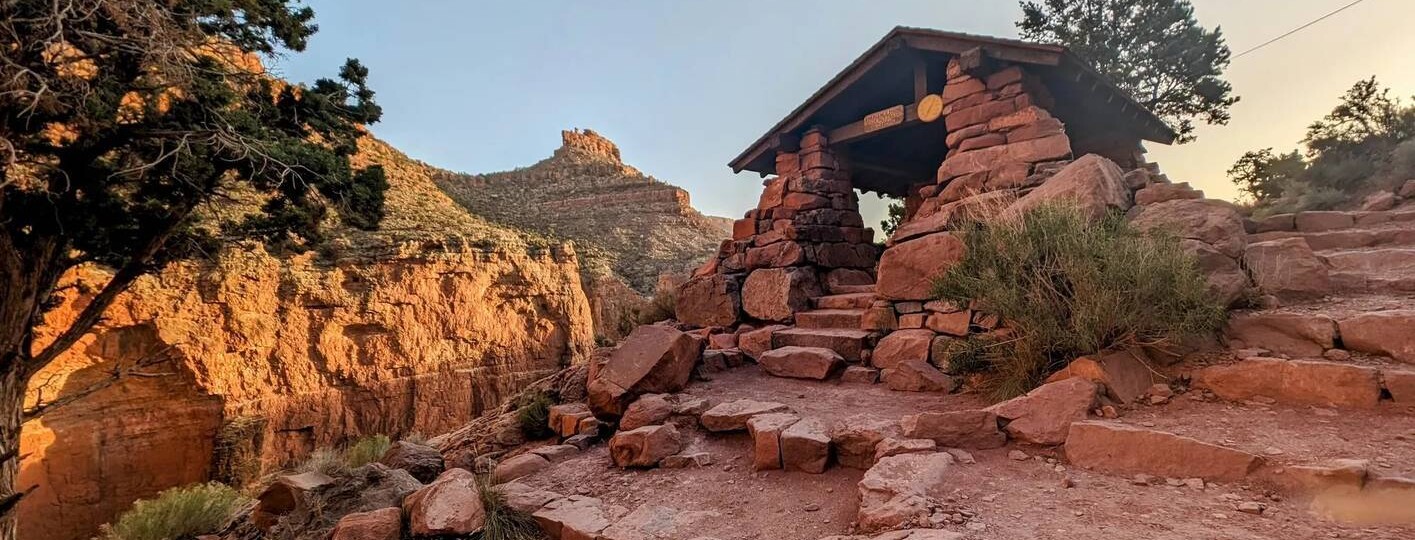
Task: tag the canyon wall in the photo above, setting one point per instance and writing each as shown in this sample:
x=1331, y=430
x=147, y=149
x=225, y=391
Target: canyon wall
x=241, y=365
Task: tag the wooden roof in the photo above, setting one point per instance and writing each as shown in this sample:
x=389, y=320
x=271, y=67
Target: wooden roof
x=883, y=77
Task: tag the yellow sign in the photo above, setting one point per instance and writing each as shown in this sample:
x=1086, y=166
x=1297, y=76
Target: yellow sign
x=930, y=108
x=892, y=116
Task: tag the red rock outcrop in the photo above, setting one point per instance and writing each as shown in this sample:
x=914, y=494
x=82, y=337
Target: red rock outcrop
x=419, y=327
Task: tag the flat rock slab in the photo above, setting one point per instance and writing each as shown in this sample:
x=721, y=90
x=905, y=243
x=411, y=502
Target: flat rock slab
x=896, y=491
x=519, y=466
x=816, y=363
x=1294, y=382
x=1121, y=449
x=733, y=415
x=653, y=522
x=975, y=429
x=573, y=517
x=917, y=376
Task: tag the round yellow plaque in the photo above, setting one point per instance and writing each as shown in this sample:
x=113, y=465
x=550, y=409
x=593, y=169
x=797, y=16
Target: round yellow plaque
x=931, y=107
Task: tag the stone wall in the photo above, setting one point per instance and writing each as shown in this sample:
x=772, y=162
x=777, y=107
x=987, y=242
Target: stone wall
x=805, y=231
x=281, y=356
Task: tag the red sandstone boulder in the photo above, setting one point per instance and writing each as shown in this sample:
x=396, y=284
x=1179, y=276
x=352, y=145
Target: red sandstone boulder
x=651, y=359
x=805, y=446
x=1401, y=385
x=917, y=376
x=1296, y=334
x=777, y=255
x=954, y=324
x=644, y=447
x=897, y=490
x=907, y=270
x=859, y=375
x=856, y=437
x=566, y=419
x=1116, y=448
x=973, y=429
x=518, y=467
x=713, y=300
x=1044, y=415
x=288, y=493
x=1158, y=193
x=648, y=410
x=1093, y=183
x=1226, y=280
x=1391, y=333
x=765, y=430
x=451, y=505
x=381, y=524
x=1213, y=222
x=901, y=346
x=1294, y=382
x=755, y=342
x=895, y=447
x=802, y=362
x=1323, y=221
x=733, y=415
x=776, y=294
x=1126, y=375
x=421, y=461
x=524, y=498
x=1287, y=268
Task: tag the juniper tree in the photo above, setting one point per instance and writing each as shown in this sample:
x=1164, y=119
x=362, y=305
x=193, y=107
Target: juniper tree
x=120, y=120
x=1154, y=49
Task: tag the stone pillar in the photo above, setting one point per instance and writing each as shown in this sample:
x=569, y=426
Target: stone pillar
x=805, y=227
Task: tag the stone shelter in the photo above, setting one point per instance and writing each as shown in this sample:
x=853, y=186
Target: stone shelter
x=951, y=123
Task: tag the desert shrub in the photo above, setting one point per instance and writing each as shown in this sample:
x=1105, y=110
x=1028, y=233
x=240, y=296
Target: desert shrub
x=661, y=305
x=502, y=521
x=366, y=450
x=416, y=437
x=1068, y=286
x=325, y=460
x=967, y=355
x=183, y=512
x=533, y=415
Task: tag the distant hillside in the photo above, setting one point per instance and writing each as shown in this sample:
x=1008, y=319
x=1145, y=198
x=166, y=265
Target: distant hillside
x=641, y=227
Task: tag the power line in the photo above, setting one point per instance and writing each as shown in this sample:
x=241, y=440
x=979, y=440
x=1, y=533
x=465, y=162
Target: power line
x=1299, y=29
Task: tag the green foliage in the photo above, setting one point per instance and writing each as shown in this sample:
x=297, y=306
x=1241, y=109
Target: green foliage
x=324, y=460
x=1067, y=286
x=367, y=450
x=533, y=415
x=1153, y=49
x=894, y=218
x=967, y=355
x=183, y=512
x=502, y=521
x=1366, y=142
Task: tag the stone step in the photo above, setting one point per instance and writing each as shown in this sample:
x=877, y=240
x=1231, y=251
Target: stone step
x=1345, y=238
x=859, y=300
x=852, y=289
x=1311, y=332
x=1303, y=382
x=1371, y=270
x=848, y=343
x=831, y=318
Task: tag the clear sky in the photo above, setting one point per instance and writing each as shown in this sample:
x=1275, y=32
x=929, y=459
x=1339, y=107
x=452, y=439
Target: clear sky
x=682, y=87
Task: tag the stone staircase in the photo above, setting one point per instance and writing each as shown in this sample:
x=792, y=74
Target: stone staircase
x=1339, y=329
x=834, y=324
x=1370, y=252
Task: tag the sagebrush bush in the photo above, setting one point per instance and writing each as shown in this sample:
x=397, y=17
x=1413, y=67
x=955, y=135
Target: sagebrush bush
x=533, y=415
x=367, y=450
x=183, y=512
x=324, y=460
x=502, y=521
x=1067, y=286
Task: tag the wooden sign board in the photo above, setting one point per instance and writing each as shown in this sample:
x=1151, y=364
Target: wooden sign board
x=930, y=108
x=890, y=117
